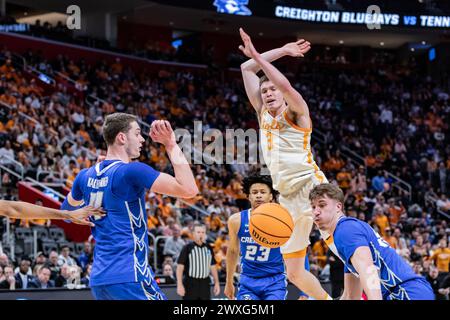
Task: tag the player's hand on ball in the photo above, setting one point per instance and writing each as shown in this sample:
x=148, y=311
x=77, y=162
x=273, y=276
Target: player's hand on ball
x=248, y=49
x=298, y=48
x=229, y=291
x=181, y=291
x=161, y=132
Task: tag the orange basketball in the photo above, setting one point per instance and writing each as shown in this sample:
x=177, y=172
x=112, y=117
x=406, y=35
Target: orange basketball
x=271, y=225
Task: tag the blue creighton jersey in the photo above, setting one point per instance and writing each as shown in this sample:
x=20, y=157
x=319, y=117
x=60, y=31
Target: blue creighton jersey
x=121, y=249
x=396, y=275
x=257, y=261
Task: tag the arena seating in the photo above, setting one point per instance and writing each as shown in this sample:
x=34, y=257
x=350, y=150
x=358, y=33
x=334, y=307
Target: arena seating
x=380, y=133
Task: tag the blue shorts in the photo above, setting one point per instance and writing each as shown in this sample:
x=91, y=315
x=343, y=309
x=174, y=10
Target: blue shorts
x=416, y=289
x=128, y=291
x=267, y=288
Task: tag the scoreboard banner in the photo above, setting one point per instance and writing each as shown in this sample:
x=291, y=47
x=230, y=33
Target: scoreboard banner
x=278, y=10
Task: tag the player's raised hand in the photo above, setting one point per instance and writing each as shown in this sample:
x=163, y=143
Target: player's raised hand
x=161, y=132
x=80, y=216
x=298, y=48
x=248, y=49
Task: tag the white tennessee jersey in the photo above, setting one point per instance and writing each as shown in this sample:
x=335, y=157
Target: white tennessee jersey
x=287, y=153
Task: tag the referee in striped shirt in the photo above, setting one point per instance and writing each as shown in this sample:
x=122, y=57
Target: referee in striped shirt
x=194, y=264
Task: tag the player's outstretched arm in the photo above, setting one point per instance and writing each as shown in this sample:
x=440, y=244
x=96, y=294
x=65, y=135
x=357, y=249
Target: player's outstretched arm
x=368, y=273
x=183, y=184
x=232, y=257
x=293, y=98
x=352, y=288
x=25, y=210
x=251, y=67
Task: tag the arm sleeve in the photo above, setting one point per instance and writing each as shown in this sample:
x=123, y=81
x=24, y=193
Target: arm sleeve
x=77, y=188
x=183, y=255
x=349, y=237
x=66, y=206
x=140, y=175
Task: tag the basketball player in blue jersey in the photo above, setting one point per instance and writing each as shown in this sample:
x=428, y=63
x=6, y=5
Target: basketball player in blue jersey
x=262, y=269
x=370, y=263
x=120, y=269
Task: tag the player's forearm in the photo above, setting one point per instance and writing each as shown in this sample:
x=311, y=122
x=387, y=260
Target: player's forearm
x=274, y=75
x=252, y=66
x=232, y=261
x=370, y=282
x=215, y=274
x=25, y=210
x=182, y=170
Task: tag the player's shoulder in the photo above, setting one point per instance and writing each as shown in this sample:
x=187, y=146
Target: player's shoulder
x=234, y=220
x=83, y=173
x=135, y=167
x=347, y=226
x=235, y=216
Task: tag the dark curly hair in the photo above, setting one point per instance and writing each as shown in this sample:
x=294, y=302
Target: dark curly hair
x=257, y=178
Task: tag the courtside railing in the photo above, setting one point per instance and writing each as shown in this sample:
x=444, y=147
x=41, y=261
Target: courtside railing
x=430, y=201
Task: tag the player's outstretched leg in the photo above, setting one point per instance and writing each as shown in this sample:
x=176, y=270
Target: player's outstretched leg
x=302, y=278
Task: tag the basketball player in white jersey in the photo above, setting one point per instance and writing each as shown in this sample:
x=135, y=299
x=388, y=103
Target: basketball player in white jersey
x=285, y=132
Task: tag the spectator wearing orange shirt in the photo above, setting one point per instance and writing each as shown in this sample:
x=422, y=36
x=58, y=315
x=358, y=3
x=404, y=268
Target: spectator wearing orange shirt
x=381, y=221
x=389, y=238
x=71, y=172
x=117, y=67
x=8, y=71
x=155, y=221
x=83, y=133
x=83, y=160
x=395, y=211
x=166, y=207
x=220, y=257
x=334, y=163
x=214, y=224
x=221, y=239
x=344, y=178
x=441, y=256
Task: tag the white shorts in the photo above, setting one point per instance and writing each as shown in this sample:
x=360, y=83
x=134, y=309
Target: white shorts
x=299, y=207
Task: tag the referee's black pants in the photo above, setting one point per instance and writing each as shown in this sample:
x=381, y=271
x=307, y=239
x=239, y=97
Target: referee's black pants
x=197, y=289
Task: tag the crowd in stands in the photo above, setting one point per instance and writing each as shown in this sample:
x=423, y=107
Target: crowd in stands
x=397, y=120
x=55, y=270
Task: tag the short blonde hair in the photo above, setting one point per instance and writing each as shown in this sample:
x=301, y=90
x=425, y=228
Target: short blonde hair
x=328, y=189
